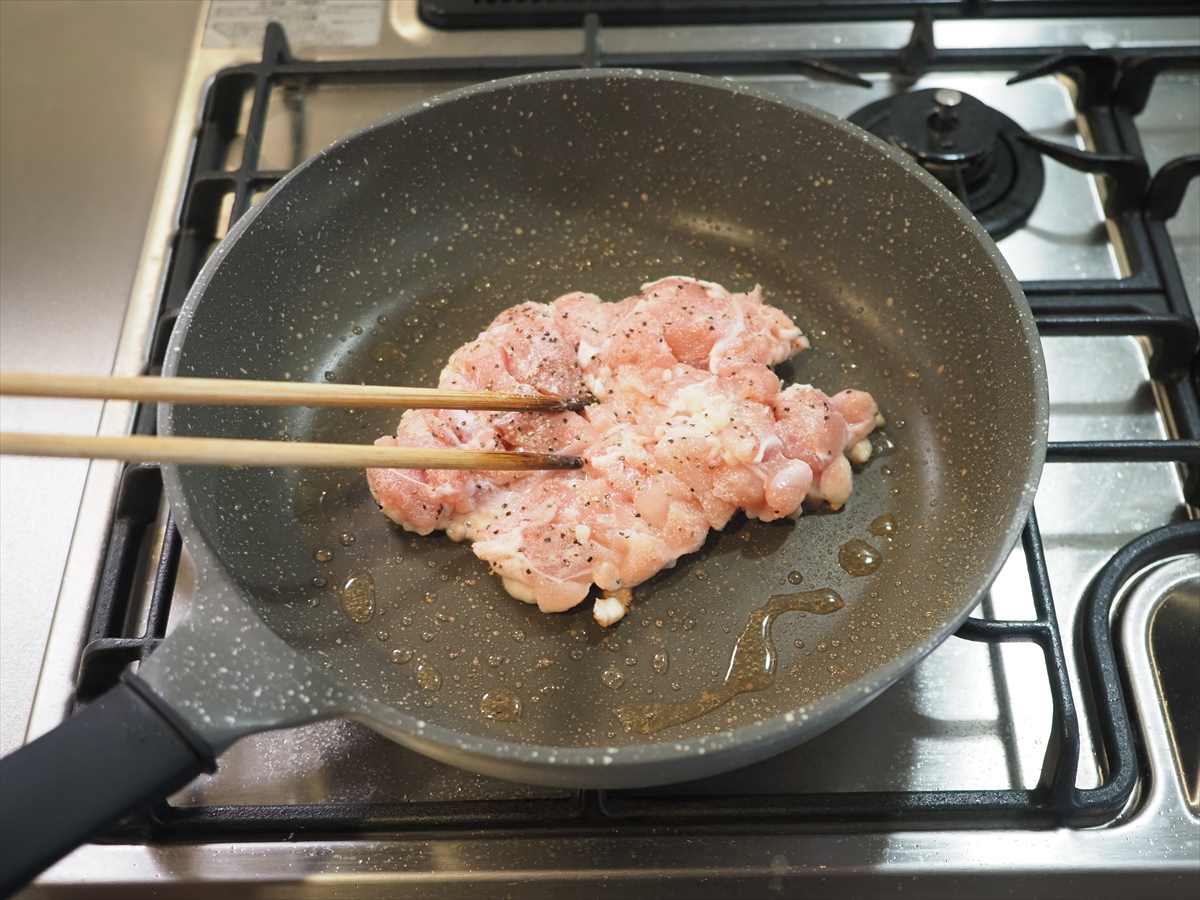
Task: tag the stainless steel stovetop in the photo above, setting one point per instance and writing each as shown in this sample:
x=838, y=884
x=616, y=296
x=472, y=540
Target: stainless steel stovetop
x=972, y=716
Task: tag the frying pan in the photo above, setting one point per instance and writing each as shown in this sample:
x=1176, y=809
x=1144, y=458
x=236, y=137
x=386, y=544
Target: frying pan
x=376, y=258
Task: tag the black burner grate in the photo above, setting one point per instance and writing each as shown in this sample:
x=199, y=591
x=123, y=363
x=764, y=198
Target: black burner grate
x=1151, y=303
x=551, y=13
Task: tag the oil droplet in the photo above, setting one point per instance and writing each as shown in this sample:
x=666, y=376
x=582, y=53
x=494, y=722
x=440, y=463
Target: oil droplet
x=883, y=526
x=576, y=653
x=881, y=444
x=500, y=705
x=661, y=662
x=383, y=636
x=611, y=678
x=858, y=557
x=322, y=555
x=751, y=667
x=794, y=577
x=347, y=539
x=495, y=661
x=406, y=621
x=798, y=644
x=358, y=598
x=428, y=677
x=400, y=656
x=318, y=581
x=518, y=636
x=427, y=636
x=631, y=661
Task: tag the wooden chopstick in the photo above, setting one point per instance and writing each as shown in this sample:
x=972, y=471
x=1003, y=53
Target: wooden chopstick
x=240, y=452
x=236, y=392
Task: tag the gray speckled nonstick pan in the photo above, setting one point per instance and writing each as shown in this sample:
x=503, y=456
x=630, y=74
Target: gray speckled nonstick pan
x=375, y=259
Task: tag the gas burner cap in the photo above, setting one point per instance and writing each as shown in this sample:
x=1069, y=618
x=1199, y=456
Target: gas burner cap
x=972, y=149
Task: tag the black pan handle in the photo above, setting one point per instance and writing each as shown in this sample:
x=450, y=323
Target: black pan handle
x=126, y=749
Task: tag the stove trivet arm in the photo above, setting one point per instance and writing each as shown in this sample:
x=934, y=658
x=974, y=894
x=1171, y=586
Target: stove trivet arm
x=920, y=52
x=1129, y=174
x=1165, y=194
x=1138, y=74
x=1094, y=73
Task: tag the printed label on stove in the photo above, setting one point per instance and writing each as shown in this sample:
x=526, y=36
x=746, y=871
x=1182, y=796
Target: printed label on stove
x=312, y=23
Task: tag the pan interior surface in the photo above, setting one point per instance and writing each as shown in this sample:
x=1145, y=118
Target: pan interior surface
x=381, y=256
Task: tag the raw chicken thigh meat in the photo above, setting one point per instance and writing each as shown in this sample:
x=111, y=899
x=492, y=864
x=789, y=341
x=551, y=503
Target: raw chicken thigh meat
x=688, y=426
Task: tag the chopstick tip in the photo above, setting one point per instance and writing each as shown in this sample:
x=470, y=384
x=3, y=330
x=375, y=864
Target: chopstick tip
x=566, y=462
x=578, y=404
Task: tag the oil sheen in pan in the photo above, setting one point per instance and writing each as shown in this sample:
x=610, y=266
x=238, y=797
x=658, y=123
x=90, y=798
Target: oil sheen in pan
x=754, y=660
x=751, y=668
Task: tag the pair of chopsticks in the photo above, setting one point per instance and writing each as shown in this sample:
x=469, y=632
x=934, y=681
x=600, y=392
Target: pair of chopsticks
x=237, y=452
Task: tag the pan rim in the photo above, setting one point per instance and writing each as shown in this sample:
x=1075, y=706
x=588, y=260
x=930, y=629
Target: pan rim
x=722, y=749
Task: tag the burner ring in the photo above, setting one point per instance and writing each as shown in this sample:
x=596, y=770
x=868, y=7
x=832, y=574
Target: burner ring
x=1001, y=187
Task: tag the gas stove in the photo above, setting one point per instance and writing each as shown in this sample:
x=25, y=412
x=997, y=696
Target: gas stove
x=1049, y=748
